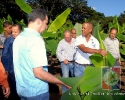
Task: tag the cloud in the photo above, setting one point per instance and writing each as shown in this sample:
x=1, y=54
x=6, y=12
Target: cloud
x=94, y=8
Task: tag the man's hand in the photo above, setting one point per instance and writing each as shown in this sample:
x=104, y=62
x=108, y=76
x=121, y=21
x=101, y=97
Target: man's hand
x=6, y=92
x=102, y=52
x=1, y=46
x=68, y=87
x=65, y=61
x=119, y=61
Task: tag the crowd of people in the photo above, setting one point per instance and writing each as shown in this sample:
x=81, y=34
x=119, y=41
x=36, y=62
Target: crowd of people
x=23, y=68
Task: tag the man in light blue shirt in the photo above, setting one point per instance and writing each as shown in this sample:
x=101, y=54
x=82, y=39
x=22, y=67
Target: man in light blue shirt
x=30, y=61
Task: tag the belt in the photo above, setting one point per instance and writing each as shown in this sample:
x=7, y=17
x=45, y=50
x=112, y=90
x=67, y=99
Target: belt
x=84, y=64
x=68, y=61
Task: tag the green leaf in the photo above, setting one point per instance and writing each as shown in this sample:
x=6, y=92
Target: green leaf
x=59, y=21
x=1, y=26
x=122, y=51
x=52, y=45
x=120, y=37
x=72, y=81
x=48, y=34
x=123, y=46
x=78, y=28
x=98, y=94
x=98, y=61
x=24, y=6
x=92, y=77
x=71, y=94
x=9, y=18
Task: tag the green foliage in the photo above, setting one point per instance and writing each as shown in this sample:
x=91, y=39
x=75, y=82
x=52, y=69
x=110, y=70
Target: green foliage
x=56, y=30
x=24, y=6
x=78, y=28
x=59, y=21
x=89, y=87
x=83, y=88
x=3, y=20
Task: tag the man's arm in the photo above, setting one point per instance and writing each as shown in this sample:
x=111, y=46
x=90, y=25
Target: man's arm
x=4, y=82
x=89, y=50
x=45, y=76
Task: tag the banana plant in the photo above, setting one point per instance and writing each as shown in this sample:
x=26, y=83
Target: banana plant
x=55, y=31
x=120, y=35
x=84, y=87
x=59, y=21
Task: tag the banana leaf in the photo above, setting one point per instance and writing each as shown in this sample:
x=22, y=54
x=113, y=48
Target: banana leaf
x=98, y=94
x=24, y=6
x=78, y=28
x=123, y=46
x=48, y=34
x=97, y=60
x=9, y=19
x=52, y=45
x=1, y=26
x=122, y=51
x=73, y=93
x=59, y=21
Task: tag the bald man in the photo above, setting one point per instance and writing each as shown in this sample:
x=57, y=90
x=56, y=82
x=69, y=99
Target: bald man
x=86, y=45
x=65, y=53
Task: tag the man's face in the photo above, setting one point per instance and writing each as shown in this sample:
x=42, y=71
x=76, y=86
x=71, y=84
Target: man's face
x=8, y=29
x=15, y=31
x=113, y=33
x=74, y=33
x=43, y=25
x=67, y=37
x=86, y=29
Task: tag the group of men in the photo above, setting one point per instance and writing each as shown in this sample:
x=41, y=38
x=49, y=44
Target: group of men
x=74, y=53
x=30, y=59
x=6, y=59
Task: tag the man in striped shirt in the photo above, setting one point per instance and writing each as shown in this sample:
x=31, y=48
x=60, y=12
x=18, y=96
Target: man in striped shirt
x=65, y=53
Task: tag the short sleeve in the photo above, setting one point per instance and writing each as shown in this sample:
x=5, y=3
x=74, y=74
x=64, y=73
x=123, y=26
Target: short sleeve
x=37, y=53
x=78, y=41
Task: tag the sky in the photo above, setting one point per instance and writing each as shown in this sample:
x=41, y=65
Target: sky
x=108, y=7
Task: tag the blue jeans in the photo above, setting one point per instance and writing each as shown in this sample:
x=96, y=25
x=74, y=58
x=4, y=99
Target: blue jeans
x=66, y=68
x=79, y=70
x=65, y=71
x=44, y=96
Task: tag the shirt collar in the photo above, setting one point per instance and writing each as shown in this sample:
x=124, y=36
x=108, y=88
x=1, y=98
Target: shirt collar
x=31, y=31
x=113, y=39
x=91, y=38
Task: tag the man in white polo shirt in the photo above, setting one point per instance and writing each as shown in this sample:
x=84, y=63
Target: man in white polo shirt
x=86, y=45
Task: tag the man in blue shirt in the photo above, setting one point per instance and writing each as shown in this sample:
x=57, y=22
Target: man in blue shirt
x=30, y=61
x=7, y=60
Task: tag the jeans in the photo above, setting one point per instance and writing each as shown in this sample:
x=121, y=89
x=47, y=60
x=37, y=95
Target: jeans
x=79, y=70
x=65, y=72
x=116, y=65
x=66, y=68
x=44, y=96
